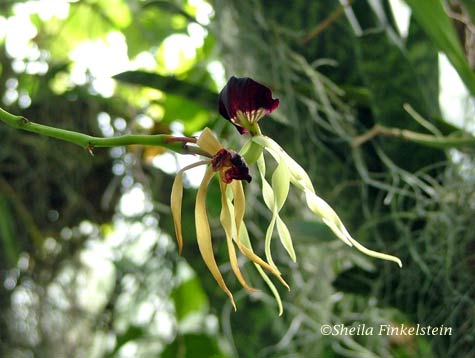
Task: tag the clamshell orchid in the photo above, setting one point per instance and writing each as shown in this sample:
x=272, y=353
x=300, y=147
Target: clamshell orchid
x=231, y=169
x=243, y=102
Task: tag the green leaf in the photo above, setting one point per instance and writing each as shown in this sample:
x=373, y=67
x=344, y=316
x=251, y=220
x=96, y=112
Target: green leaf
x=171, y=85
x=189, y=297
x=190, y=113
x=101, y=18
x=151, y=25
x=433, y=19
x=193, y=346
x=424, y=58
x=132, y=333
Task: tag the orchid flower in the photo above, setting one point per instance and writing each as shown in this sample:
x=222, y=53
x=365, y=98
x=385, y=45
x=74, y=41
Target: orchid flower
x=231, y=169
x=244, y=101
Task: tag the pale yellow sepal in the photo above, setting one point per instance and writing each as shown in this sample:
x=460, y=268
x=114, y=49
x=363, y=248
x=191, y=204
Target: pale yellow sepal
x=246, y=243
x=317, y=205
x=203, y=234
x=208, y=142
x=176, y=198
x=239, y=204
x=246, y=250
x=331, y=219
x=227, y=223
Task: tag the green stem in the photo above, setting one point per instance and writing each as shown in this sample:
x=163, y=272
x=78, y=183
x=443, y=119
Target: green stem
x=176, y=144
x=255, y=130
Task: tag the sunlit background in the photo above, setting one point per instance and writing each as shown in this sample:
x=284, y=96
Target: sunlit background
x=91, y=278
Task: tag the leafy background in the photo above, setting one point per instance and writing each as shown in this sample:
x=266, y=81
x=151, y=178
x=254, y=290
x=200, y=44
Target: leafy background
x=88, y=261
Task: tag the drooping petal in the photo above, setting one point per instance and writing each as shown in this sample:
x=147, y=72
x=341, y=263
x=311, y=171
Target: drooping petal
x=331, y=219
x=286, y=238
x=274, y=198
x=227, y=224
x=203, y=234
x=317, y=205
x=298, y=176
x=208, y=142
x=268, y=195
x=245, y=246
x=176, y=198
x=239, y=205
x=243, y=99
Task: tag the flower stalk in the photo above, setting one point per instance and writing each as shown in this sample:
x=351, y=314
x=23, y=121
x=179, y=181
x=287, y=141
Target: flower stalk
x=177, y=144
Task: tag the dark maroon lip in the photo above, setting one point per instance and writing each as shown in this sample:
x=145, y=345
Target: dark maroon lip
x=247, y=96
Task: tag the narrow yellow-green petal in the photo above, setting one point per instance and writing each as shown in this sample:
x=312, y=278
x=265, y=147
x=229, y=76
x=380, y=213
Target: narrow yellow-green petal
x=175, y=204
x=227, y=223
x=247, y=251
x=269, y=199
x=274, y=198
x=245, y=247
x=239, y=204
x=176, y=198
x=203, y=234
x=376, y=254
x=272, y=287
x=280, y=184
x=324, y=211
x=331, y=219
x=298, y=175
x=286, y=238
x=247, y=244
x=268, y=240
x=208, y=142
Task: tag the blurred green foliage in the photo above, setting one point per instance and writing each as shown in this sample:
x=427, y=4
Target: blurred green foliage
x=82, y=274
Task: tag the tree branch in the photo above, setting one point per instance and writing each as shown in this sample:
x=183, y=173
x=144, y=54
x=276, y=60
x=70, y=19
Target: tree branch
x=420, y=138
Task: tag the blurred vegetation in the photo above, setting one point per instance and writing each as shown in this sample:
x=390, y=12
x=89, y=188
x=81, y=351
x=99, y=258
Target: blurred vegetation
x=88, y=262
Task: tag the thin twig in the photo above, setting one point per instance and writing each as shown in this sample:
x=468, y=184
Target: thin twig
x=420, y=138
x=327, y=22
